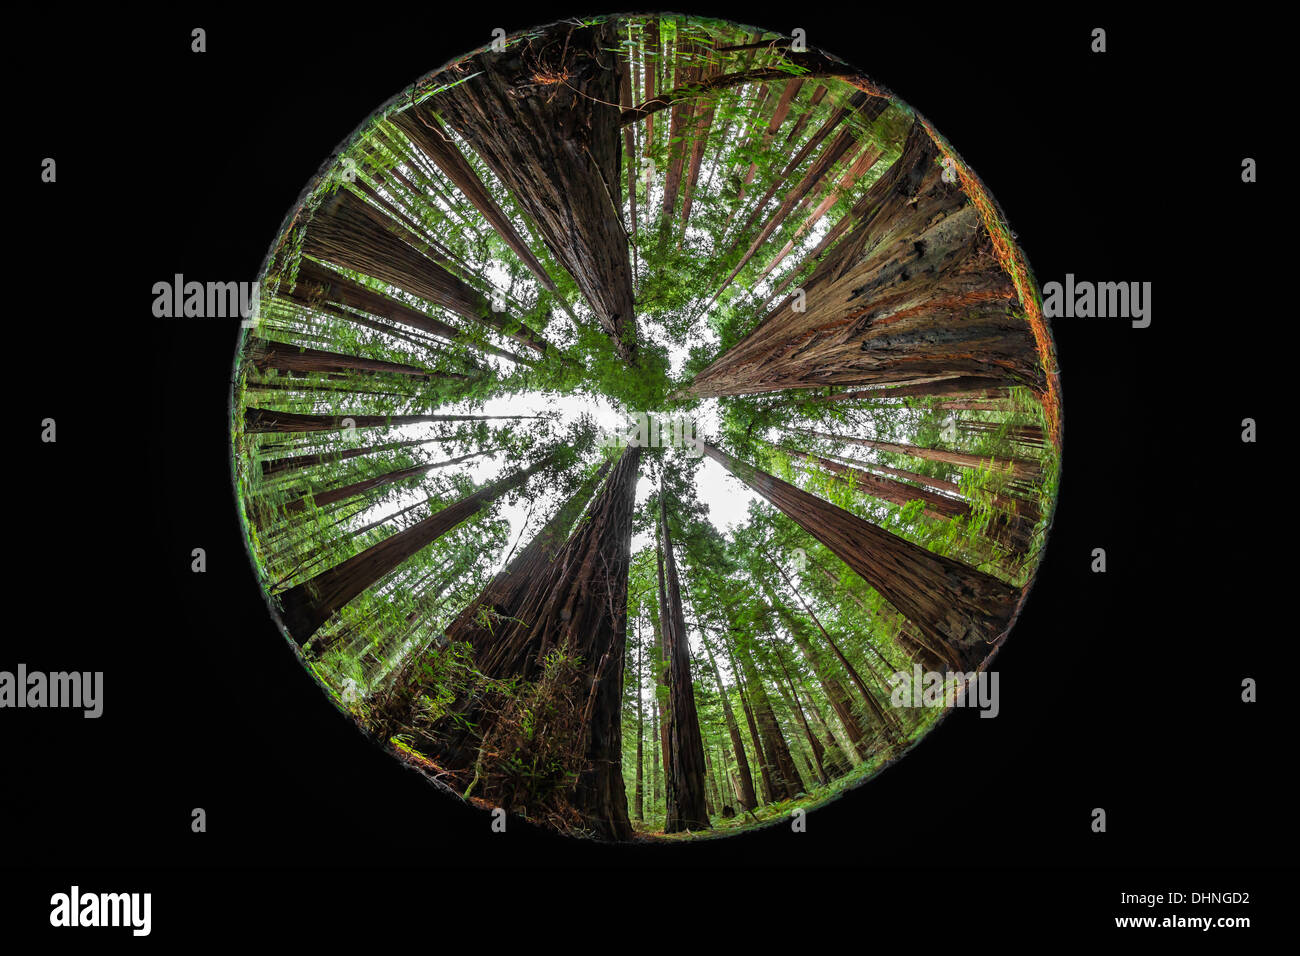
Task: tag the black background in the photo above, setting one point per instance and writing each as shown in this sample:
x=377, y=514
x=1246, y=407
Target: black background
x=1119, y=691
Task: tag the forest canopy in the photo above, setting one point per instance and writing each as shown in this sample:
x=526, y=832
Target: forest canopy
x=848, y=401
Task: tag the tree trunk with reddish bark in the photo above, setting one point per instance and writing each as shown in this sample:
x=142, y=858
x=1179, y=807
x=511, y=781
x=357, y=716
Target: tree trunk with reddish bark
x=638, y=800
x=349, y=232
x=913, y=291
x=786, y=781
x=544, y=116
x=259, y=421
x=952, y=385
x=870, y=107
x=321, y=499
x=836, y=694
x=857, y=169
x=815, y=746
x=314, y=285
x=278, y=466
x=888, y=490
x=766, y=769
x=308, y=605
x=951, y=601
x=1016, y=467
x=886, y=720
x=266, y=354
x=745, y=779
x=687, y=808
x=422, y=128
x=815, y=64
x=570, y=598
x=508, y=589
x=789, y=90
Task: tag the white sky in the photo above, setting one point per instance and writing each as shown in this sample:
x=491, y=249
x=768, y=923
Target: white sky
x=726, y=497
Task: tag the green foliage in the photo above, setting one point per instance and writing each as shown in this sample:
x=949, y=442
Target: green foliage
x=771, y=613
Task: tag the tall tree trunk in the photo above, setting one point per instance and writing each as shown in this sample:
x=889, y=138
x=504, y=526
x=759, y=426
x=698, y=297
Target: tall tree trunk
x=766, y=771
x=815, y=64
x=322, y=498
x=680, y=117
x=837, y=585
x=351, y=233
x=836, y=694
x=969, y=406
x=888, y=722
x=308, y=605
x=725, y=793
x=655, y=761
x=265, y=354
x=506, y=592
x=687, y=809
x=786, y=782
x=815, y=746
x=711, y=804
x=1010, y=531
x=639, y=798
x=950, y=601
x=789, y=89
x=887, y=489
x=1016, y=467
x=574, y=603
x=278, y=466
x=264, y=420
x=952, y=385
x=292, y=386
x=1013, y=505
x=652, y=48
x=544, y=116
x=657, y=617
x=857, y=169
x=750, y=139
x=834, y=757
x=817, y=96
x=700, y=138
x=1030, y=436
x=866, y=109
x=913, y=291
x=629, y=148
x=314, y=284
x=421, y=127
x=745, y=792
x=870, y=107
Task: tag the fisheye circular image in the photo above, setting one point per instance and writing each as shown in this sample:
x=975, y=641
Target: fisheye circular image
x=648, y=427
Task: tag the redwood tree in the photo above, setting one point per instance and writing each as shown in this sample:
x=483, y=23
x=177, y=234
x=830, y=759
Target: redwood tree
x=308, y=605
x=575, y=602
x=544, y=116
x=954, y=603
x=686, y=779
x=913, y=290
